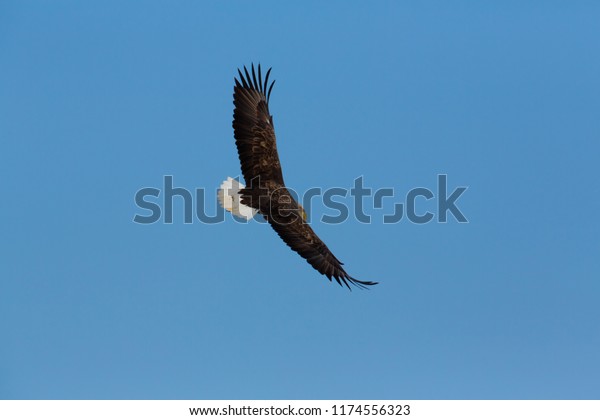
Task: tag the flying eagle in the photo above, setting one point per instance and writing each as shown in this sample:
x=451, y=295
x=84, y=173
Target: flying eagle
x=266, y=192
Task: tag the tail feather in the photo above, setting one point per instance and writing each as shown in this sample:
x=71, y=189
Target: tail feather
x=230, y=199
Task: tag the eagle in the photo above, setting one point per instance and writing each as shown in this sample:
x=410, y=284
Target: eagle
x=266, y=192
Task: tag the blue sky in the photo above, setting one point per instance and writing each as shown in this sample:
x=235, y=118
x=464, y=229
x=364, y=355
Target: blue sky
x=100, y=99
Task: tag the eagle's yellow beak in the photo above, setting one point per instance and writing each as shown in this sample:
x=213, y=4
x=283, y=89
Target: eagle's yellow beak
x=304, y=215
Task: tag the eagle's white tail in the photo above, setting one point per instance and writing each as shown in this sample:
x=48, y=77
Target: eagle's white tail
x=229, y=198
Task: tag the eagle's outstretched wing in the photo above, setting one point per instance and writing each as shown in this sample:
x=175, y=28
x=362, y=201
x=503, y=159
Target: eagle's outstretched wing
x=299, y=236
x=257, y=149
x=253, y=128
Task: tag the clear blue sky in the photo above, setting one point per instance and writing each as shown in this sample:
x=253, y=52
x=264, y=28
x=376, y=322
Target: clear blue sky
x=99, y=99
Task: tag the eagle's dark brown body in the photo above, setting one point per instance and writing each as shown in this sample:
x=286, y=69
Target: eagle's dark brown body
x=257, y=149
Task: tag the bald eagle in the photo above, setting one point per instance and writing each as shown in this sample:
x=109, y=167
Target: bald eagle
x=266, y=192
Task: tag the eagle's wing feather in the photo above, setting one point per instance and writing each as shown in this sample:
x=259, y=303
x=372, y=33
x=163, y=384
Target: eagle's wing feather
x=253, y=129
x=299, y=236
